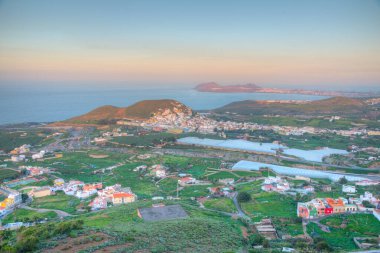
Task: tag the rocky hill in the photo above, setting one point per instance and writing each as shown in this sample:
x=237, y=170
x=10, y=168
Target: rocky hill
x=146, y=110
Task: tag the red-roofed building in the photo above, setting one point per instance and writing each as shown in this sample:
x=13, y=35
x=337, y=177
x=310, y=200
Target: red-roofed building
x=336, y=204
x=187, y=180
x=122, y=198
x=92, y=187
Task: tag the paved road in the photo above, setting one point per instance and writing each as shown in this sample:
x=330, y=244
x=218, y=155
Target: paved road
x=240, y=211
x=60, y=213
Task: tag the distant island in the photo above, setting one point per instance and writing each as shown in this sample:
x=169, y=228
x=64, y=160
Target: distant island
x=253, y=88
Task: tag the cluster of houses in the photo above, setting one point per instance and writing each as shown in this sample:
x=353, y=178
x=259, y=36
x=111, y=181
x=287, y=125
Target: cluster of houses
x=112, y=194
x=39, y=155
x=276, y=184
x=18, y=154
x=227, y=190
x=325, y=206
x=203, y=124
x=8, y=204
x=157, y=170
x=35, y=170
x=21, y=150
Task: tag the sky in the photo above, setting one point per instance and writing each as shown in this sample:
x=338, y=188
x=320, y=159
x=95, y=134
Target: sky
x=273, y=43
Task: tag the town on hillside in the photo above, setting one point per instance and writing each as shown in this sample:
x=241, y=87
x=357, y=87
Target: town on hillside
x=264, y=186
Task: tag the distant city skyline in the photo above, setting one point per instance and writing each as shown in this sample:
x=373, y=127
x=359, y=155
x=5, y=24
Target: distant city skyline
x=330, y=44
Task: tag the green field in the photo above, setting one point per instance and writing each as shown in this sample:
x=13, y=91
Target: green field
x=341, y=238
x=250, y=187
x=300, y=122
x=13, y=139
x=195, y=191
x=147, y=140
x=291, y=226
x=60, y=201
x=202, y=231
x=7, y=174
x=222, y=175
x=24, y=215
x=221, y=204
x=79, y=165
x=270, y=204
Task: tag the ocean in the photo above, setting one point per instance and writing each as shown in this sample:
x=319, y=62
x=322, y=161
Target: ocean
x=19, y=104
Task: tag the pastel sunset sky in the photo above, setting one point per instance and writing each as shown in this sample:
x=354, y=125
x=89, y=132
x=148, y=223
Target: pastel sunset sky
x=269, y=42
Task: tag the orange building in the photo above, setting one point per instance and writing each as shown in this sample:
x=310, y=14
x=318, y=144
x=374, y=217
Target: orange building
x=122, y=198
x=336, y=204
x=92, y=187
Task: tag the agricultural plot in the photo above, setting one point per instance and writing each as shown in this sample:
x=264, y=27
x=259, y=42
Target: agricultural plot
x=23, y=215
x=80, y=165
x=221, y=204
x=215, y=176
x=194, y=191
x=147, y=140
x=270, y=204
x=202, y=231
x=60, y=201
x=12, y=139
x=143, y=186
x=7, y=174
x=344, y=228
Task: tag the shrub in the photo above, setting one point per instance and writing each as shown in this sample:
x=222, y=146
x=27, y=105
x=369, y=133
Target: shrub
x=244, y=197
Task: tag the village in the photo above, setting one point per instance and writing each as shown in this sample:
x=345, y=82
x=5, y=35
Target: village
x=281, y=204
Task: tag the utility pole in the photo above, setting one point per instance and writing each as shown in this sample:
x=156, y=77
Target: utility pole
x=177, y=189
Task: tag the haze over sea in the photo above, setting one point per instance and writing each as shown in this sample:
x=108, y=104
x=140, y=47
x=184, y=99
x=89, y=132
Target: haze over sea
x=20, y=104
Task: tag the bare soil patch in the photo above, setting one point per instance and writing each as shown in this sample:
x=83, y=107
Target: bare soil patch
x=98, y=156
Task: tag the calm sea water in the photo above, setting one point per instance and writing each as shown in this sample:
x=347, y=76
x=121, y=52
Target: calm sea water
x=46, y=104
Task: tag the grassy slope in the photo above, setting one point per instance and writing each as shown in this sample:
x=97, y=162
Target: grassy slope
x=221, y=204
x=202, y=231
x=358, y=225
x=336, y=105
x=27, y=215
x=7, y=174
x=60, y=201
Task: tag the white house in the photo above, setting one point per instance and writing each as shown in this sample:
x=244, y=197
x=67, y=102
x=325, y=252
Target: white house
x=38, y=155
x=369, y=197
x=348, y=189
x=98, y=203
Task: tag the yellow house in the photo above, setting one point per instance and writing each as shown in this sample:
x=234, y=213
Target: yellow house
x=6, y=202
x=59, y=182
x=122, y=198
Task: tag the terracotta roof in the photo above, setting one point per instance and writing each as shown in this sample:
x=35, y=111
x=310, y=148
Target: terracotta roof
x=122, y=195
x=186, y=179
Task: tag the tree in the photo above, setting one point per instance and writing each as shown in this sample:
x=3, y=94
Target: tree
x=343, y=180
x=298, y=196
x=256, y=239
x=322, y=246
x=24, y=197
x=367, y=204
x=244, y=197
x=266, y=243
